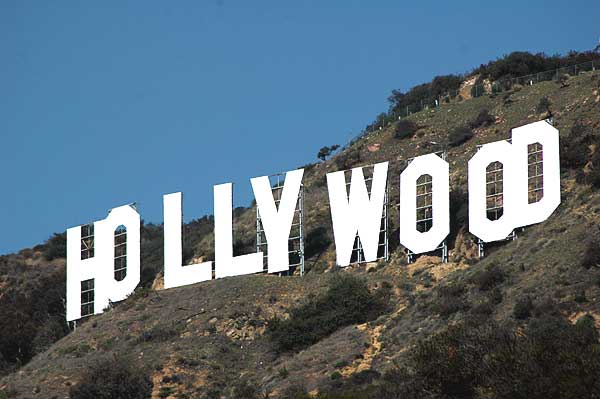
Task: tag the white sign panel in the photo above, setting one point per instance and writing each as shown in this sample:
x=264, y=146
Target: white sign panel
x=225, y=263
x=175, y=274
x=517, y=212
x=277, y=221
x=354, y=213
x=416, y=241
x=100, y=268
x=358, y=213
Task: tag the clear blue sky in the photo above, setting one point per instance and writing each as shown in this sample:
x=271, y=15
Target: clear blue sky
x=106, y=103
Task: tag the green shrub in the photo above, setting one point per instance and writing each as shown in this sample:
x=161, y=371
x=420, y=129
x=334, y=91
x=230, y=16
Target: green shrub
x=325, y=152
x=488, y=278
x=165, y=392
x=495, y=296
x=521, y=63
x=346, y=301
x=439, y=86
x=549, y=358
x=364, y=377
x=348, y=158
x=295, y=392
x=50, y=331
x=451, y=290
x=56, y=246
x=458, y=213
x=586, y=326
x=590, y=175
x=336, y=375
x=35, y=313
x=7, y=393
x=580, y=297
x=449, y=300
x=160, y=333
x=244, y=389
x=283, y=372
x=573, y=149
x=405, y=128
x=484, y=118
x=317, y=241
x=340, y=364
x=483, y=308
x=523, y=307
x=543, y=105
x=459, y=135
x=116, y=378
x=546, y=307
x=448, y=306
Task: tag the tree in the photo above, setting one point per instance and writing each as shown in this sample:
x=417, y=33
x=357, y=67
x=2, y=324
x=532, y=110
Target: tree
x=324, y=152
x=56, y=246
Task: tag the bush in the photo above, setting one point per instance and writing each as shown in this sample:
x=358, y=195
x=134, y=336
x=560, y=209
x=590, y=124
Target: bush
x=244, y=389
x=336, y=375
x=521, y=63
x=348, y=158
x=484, y=118
x=160, y=333
x=448, y=306
x=449, y=300
x=317, y=241
x=586, y=326
x=523, y=308
x=56, y=247
x=591, y=256
x=488, y=278
x=113, y=379
x=546, y=307
x=283, y=372
x=439, y=86
x=550, y=358
x=35, y=311
x=573, y=150
x=459, y=135
x=364, y=377
x=458, y=213
x=346, y=301
x=575, y=154
x=591, y=176
x=543, y=105
x=405, y=128
x=483, y=308
x=580, y=296
x=495, y=296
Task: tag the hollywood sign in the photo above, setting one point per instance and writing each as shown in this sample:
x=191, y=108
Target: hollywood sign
x=112, y=271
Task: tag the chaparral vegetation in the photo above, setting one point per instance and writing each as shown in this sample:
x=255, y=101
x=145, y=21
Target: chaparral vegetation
x=521, y=322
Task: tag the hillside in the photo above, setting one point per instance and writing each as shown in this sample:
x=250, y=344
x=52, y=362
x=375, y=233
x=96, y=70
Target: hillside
x=215, y=339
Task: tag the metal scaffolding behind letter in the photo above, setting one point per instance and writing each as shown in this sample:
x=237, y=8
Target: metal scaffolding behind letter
x=358, y=255
x=296, y=237
x=424, y=209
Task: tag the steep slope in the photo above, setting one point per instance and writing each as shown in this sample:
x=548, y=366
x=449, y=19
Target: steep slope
x=201, y=340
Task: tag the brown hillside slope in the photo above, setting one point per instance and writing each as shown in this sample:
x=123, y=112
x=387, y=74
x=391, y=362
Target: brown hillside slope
x=210, y=335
